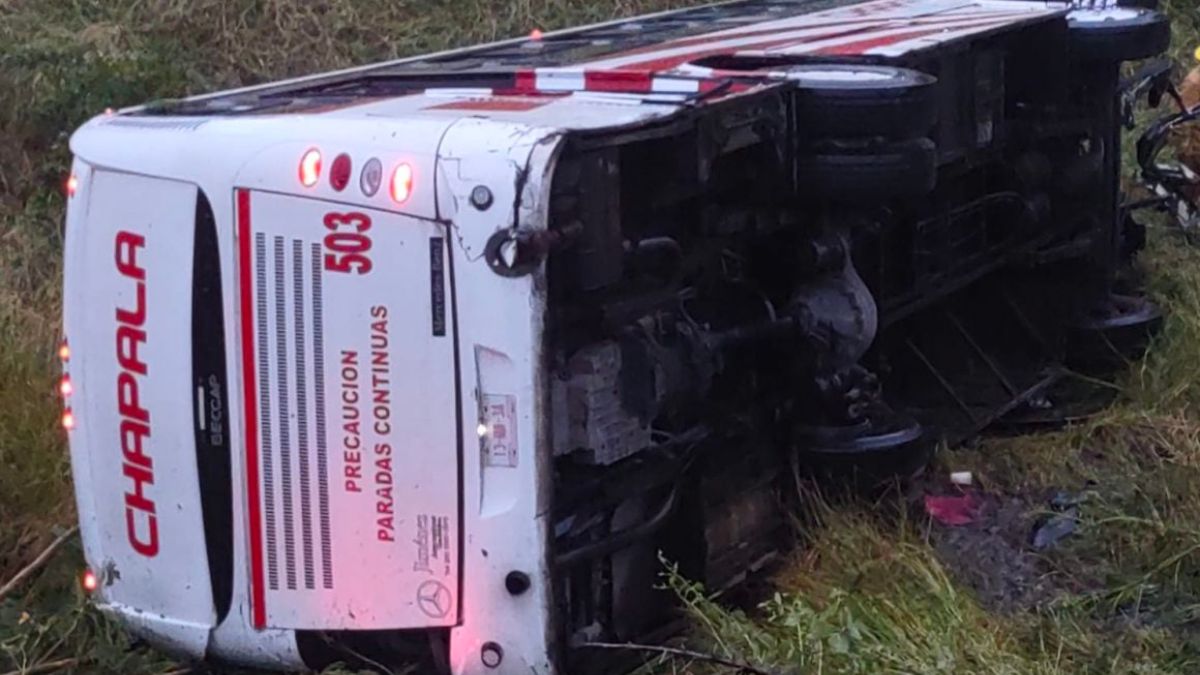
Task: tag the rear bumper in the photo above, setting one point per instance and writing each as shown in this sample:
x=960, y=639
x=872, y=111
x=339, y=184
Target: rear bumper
x=234, y=641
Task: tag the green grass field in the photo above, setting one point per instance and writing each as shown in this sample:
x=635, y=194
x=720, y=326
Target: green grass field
x=873, y=591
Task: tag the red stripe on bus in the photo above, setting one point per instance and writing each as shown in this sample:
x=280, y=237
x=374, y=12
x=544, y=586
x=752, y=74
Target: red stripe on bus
x=704, y=39
x=525, y=81
x=772, y=39
x=869, y=43
x=618, y=81
x=495, y=104
x=258, y=599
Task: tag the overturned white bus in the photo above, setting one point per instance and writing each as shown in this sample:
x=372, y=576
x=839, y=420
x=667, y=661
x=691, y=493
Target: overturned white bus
x=429, y=360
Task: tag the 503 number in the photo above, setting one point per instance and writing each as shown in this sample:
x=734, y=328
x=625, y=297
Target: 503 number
x=347, y=243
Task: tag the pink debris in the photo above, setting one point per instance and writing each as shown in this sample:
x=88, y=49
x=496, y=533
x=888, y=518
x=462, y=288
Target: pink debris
x=954, y=510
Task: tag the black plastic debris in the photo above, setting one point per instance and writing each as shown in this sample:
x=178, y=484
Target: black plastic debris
x=1055, y=527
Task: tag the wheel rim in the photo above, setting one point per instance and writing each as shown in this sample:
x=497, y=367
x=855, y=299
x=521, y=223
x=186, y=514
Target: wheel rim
x=1091, y=17
x=818, y=75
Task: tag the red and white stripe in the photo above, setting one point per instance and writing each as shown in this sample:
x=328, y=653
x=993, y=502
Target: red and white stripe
x=846, y=31
x=869, y=41
x=586, y=79
x=904, y=44
x=667, y=73
x=258, y=587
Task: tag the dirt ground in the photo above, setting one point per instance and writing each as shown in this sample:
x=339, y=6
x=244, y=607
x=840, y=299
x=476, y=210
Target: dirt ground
x=993, y=556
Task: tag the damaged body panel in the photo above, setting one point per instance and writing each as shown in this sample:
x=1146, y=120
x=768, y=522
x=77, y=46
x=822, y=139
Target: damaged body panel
x=429, y=362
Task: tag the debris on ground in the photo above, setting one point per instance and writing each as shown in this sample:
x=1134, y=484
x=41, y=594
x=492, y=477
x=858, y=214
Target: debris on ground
x=1060, y=524
x=991, y=553
x=1054, y=529
x=952, y=511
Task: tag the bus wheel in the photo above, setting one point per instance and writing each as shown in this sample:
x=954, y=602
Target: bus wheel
x=848, y=101
x=868, y=172
x=1118, y=34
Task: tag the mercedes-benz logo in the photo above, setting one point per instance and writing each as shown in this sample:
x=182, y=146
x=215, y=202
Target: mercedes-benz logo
x=434, y=599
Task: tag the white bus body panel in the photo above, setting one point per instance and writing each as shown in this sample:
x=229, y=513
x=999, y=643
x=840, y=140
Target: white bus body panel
x=131, y=403
x=505, y=491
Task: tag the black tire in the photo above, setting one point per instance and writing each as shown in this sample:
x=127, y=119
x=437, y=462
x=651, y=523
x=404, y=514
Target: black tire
x=868, y=172
x=886, y=447
x=1118, y=34
x=849, y=101
x=1113, y=336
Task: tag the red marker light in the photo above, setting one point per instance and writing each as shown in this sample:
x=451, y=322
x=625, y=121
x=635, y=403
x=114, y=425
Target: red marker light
x=339, y=172
x=65, y=387
x=535, y=34
x=72, y=185
x=402, y=183
x=68, y=419
x=310, y=167
x=89, y=581
x=64, y=352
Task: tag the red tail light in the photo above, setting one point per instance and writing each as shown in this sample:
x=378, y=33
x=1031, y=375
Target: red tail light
x=339, y=172
x=402, y=183
x=65, y=387
x=68, y=419
x=72, y=185
x=89, y=581
x=310, y=168
x=64, y=352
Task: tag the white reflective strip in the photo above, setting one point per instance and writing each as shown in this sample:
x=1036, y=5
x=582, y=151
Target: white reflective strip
x=565, y=79
x=458, y=93
x=200, y=415
x=1105, y=14
x=693, y=70
x=1028, y=7
x=634, y=100
x=675, y=85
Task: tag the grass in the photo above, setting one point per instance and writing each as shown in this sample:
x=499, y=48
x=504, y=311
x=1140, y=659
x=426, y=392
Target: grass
x=869, y=593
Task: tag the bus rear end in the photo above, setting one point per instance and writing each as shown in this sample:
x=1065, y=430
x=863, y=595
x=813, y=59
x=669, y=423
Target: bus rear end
x=272, y=396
